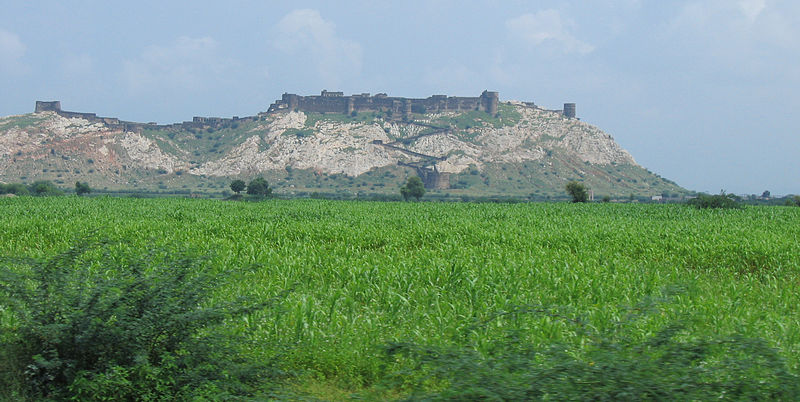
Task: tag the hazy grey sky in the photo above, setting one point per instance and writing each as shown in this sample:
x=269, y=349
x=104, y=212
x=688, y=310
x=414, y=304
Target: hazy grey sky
x=701, y=92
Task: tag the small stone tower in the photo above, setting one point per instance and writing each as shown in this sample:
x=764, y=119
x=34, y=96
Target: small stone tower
x=489, y=101
x=569, y=110
x=52, y=106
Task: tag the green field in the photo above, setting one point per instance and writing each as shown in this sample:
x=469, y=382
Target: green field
x=363, y=275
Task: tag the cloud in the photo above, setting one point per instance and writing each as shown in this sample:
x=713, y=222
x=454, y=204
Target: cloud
x=304, y=33
x=750, y=24
x=752, y=8
x=452, y=77
x=185, y=64
x=11, y=52
x=547, y=27
x=77, y=65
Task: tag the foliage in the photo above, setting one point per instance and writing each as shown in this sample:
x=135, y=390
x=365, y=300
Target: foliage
x=413, y=188
x=299, y=133
x=44, y=188
x=611, y=364
x=507, y=116
x=259, y=187
x=238, y=186
x=719, y=201
x=121, y=326
x=577, y=191
x=14, y=188
x=368, y=273
x=82, y=188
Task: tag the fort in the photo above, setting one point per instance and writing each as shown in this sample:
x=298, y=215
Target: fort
x=337, y=102
x=326, y=102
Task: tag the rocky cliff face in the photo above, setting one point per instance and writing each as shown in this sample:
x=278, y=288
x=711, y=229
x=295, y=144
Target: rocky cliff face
x=532, y=142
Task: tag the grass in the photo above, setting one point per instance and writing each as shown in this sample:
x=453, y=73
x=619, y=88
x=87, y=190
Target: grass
x=20, y=122
x=369, y=274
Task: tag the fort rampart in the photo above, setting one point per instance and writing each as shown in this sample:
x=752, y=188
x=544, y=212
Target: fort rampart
x=326, y=102
x=115, y=123
x=337, y=102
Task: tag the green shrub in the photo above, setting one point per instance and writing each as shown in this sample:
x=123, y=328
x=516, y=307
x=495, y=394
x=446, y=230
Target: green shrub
x=14, y=188
x=121, y=327
x=613, y=364
x=577, y=191
x=44, y=188
x=719, y=201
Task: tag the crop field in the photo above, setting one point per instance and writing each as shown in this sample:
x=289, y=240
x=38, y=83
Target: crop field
x=354, y=277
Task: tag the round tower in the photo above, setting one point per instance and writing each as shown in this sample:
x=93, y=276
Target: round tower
x=490, y=100
x=569, y=110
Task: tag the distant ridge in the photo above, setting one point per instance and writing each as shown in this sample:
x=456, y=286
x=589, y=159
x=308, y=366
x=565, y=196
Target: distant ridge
x=470, y=146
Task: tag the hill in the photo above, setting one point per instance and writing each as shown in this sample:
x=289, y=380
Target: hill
x=520, y=150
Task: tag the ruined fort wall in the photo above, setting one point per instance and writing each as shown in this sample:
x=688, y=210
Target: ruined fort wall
x=115, y=123
x=335, y=102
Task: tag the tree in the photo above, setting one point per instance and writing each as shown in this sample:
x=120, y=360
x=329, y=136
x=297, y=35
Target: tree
x=765, y=194
x=413, y=188
x=721, y=201
x=82, y=188
x=259, y=186
x=238, y=186
x=577, y=191
x=44, y=187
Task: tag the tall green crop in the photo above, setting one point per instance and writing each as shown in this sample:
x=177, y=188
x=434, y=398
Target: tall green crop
x=366, y=274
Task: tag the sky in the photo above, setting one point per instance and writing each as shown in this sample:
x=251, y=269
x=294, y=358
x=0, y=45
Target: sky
x=703, y=92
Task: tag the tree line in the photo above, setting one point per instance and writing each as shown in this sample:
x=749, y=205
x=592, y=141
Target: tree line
x=41, y=188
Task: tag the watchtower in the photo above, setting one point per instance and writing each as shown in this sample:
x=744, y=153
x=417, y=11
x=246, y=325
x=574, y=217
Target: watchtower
x=489, y=101
x=569, y=110
x=50, y=106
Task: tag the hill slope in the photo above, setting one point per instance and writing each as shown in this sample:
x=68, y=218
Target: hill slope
x=521, y=151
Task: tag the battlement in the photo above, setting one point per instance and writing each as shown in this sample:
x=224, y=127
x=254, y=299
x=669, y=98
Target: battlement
x=337, y=102
x=48, y=106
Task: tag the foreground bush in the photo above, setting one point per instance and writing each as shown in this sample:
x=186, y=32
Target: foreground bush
x=121, y=327
x=614, y=364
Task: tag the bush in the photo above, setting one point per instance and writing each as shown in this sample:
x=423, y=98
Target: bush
x=613, y=364
x=719, y=201
x=44, y=188
x=82, y=188
x=577, y=191
x=259, y=187
x=14, y=188
x=413, y=188
x=120, y=327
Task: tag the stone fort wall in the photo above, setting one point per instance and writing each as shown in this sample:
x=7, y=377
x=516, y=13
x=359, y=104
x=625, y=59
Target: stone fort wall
x=337, y=102
x=326, y=102
x=115, y=123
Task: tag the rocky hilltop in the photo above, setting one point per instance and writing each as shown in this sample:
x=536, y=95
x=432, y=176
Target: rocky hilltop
x=521, y=150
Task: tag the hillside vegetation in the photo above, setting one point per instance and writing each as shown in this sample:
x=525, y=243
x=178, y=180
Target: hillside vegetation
x=523, y=151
